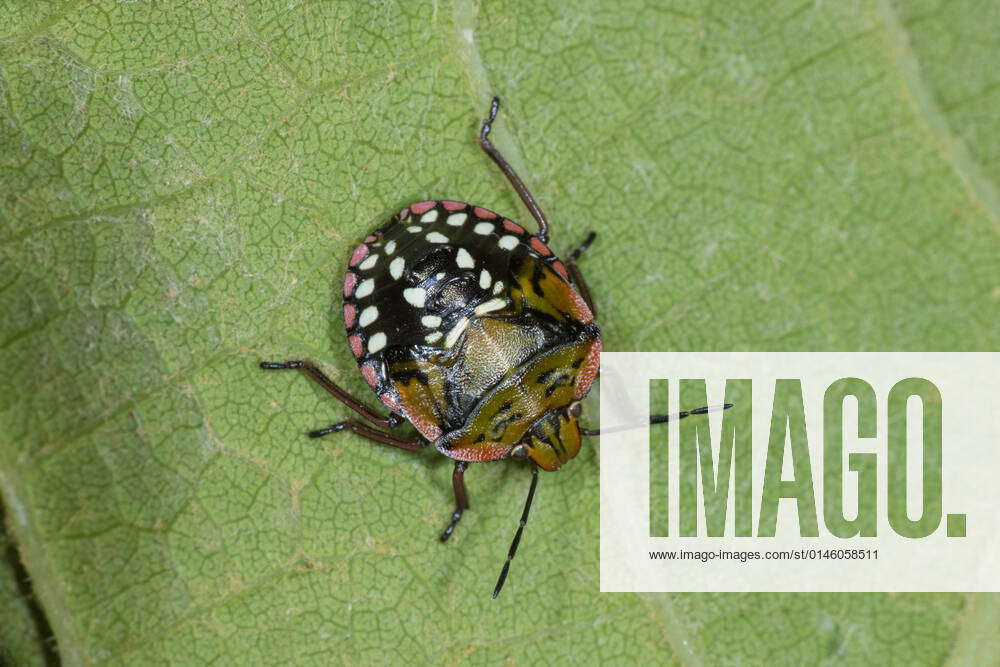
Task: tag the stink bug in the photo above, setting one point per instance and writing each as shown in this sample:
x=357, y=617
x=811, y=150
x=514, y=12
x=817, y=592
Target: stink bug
x=470, y=328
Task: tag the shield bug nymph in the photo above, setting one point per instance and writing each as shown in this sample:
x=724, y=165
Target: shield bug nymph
x=474, y=331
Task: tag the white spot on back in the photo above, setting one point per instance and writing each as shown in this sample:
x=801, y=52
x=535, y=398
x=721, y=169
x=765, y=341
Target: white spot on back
x=368, y=263
x=431, y=321
x=368, y=315
x=490, y=306
x=415, y=296
x=457, y=219
x=429, y=216
x=456, y=331
x=433, y=337
x=483, y=228
x=376, y=342
x=390, y=247
x=464, y=259
x=365, y=288
x=485, y=279
x=508, y=242
x=437, y=237
x=396, y=267
x=413, y=229
x=498, y=287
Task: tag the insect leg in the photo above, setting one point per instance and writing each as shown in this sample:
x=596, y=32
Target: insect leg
x=317, y=376
x=366, y=431
x=520, y=529
x=461, y=498
x=577, y=276
x=663, y=419
x=508, y=171
x=582, y=248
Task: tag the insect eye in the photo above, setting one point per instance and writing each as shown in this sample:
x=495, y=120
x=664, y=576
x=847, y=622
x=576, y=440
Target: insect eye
x=519, y=452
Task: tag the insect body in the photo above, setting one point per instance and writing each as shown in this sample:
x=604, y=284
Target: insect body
x=467, y=325
x=471, y=329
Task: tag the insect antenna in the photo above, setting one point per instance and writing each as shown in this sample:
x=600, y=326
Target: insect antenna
x=520, y=529
x=660, y=419
x=663, y=419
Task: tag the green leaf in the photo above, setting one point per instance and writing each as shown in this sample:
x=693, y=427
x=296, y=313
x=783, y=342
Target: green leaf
x=179, y=193
x=21, y=622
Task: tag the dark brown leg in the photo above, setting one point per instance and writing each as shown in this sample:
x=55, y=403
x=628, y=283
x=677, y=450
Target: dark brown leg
x=461, y=498
x=662, y=419
x=577, y=276
x=317, y=376
x=520, y=529
x=582, y=248
x=366, y=431
x=508, y=171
